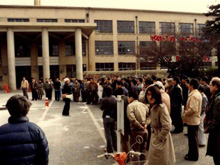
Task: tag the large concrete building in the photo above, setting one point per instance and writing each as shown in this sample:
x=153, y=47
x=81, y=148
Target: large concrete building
x=41, y=41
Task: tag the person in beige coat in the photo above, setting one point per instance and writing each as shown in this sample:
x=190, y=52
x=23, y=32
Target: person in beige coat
x=192, y=118
x=161, y=151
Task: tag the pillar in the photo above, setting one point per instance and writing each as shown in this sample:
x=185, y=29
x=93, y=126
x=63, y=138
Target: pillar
x=45, y=52
x=78, y=47
x=11, y=59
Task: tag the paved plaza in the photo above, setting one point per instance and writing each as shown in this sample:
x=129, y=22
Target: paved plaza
x=78, y=139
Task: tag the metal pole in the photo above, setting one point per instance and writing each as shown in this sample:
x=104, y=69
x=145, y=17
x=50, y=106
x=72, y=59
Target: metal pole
x=120, y=121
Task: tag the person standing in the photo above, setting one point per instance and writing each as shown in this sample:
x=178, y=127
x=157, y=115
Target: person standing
x=47, y=87
x=192, y=118
x=34, y=88
x=57, y=85
x=161, y=151
x=76, y=90
x=212, y=121
x=201, y=135
x=93, y=88
x=137, y=114
x=109, y=108
x=176, y=106
x=66, y=91
x=40, y=90
x=24, y=87
x=21, y=141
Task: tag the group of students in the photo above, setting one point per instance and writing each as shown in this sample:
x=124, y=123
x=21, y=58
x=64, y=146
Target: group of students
x=156, y=110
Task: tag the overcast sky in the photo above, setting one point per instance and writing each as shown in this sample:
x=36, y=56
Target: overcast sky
x=198, y=6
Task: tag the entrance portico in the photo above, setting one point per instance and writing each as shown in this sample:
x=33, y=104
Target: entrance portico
x=76, y=30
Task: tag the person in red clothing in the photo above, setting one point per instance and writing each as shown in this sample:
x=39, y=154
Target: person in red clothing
x=93, y=88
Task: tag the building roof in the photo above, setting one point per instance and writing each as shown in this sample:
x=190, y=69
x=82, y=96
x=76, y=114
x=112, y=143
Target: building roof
x=98, y=8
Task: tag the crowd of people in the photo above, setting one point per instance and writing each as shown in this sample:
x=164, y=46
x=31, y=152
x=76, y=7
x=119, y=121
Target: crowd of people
x=153, y=108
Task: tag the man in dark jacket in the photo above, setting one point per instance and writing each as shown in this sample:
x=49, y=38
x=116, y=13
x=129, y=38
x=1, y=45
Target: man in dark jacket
x=176, y=105
x=212, y=121
x=109, y=108
x=22, y=142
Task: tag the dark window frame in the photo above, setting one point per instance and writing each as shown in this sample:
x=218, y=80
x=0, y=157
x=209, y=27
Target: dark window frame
x=104, y=26
x=185, y=30
x=164, y=26
x=104, y=48
x=126, y=66
x=104, y=66
x=124, y=27
x=125, y=49
x=46, y=20
x=146, y=27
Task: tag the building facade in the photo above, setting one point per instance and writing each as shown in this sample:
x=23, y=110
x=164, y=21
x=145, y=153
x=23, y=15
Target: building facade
x=43, y=42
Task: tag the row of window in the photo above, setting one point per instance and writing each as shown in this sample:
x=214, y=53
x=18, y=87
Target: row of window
x=132, y=66
x=105, y=26
x=128, y=47
x=23, y=50
x=46, y=20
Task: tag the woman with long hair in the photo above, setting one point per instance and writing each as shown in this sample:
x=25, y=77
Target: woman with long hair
x=161, y=149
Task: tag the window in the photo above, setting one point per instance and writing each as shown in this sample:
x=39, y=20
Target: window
x=104, y=47
x=125, y=26
x=168, y=47
x=84, y=48
x=186, y=28
x=22, y=50
x=126, y=66
x=74, y=20
x=147, y=66
x=104, y=66
x=71, y=70
x=103, y=26
x=147, y=27
x=47, y=20
x=70, y=49
x=126, y=47
x=167, y=28
x=54, y=50
x=200, y=29
x=39, y=51
x=18, y=20
x=146, y=47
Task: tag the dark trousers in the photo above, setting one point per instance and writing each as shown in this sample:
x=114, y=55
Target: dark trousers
x=149, y=136
x=34, y=95
x=57, y=95
x=83, y=95
x=193, y=152
x=94, y=97
x=176, y=118
x=25, y=92
x=138, y=147
x=66, y=107
x=125, y=142
x=110, y=134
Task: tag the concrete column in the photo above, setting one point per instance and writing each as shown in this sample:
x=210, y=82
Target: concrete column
x=34, y=61
x=78, y=47
x=45, y=52
x=11, y=59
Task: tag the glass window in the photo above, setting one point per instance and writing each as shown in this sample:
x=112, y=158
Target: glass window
x=200, y=29
x=167, y=28
x=126, y=47
x=147, y=66
x=22, y=50
x=104, y=47
x=104, y=26
x=147, y=27
x=125, y=26
x=71, y=70
x=69, y=50
x=186, y=28
x=47, y=20
x=104, y=66
x=126, y=66
x=54, y=50
x=74, y=20
x=18, y=20
x=146, y=46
